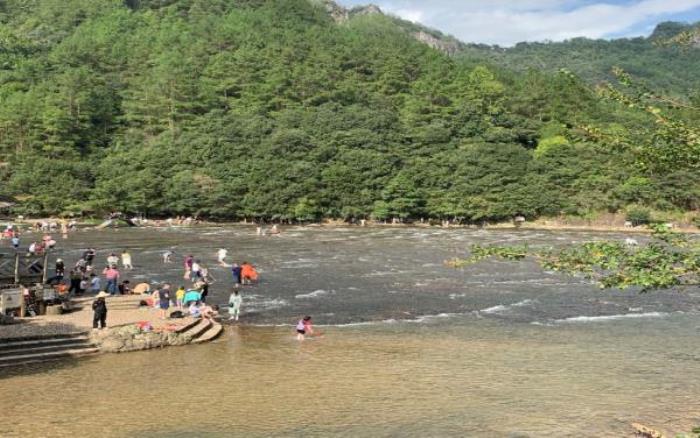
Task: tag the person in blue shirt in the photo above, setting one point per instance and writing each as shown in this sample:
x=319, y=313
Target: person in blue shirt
x=236, y=272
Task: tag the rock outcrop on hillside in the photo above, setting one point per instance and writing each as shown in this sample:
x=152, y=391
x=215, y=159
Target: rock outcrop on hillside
x=427, y=36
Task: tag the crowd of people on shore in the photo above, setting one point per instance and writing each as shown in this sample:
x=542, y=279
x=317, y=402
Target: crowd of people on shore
x=82, y=278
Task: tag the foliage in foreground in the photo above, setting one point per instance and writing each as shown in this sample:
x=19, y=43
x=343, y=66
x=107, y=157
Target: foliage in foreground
x=668, y=260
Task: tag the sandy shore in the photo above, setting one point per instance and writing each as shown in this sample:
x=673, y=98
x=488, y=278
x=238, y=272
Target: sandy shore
x=121, y=310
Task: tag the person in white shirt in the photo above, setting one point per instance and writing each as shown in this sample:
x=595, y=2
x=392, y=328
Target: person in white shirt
x=221, y=255
x=234, y=305
x=126, y=260
x=196, y=273
x=112, y=260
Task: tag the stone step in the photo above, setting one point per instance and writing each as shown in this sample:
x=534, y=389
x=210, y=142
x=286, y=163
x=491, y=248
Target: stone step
x=187, y=326
x=43, y=357
x=47, y=348
x=210, y=334
x=5, y=341
x=199, y=329
x=41, y=343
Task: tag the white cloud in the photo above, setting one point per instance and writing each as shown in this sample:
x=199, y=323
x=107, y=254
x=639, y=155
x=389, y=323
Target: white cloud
x=506, y=22
x=414, y=15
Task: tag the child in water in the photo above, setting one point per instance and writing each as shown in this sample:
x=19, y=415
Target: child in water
x=303, y=327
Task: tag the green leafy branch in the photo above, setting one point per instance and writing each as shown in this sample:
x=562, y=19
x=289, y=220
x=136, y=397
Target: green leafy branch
x=670, y=259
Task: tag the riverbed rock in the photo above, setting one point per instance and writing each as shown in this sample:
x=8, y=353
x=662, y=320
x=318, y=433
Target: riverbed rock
x=131, y=338
x=646, y=432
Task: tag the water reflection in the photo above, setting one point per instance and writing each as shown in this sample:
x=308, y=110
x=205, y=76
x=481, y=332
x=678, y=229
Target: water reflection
x=465, y=377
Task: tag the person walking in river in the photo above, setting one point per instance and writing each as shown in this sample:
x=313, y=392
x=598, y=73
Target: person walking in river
x=195, y=271
x=236, y=272
x=113, y=260
x=189, y=261
x=221, y=256
x=234, y=305
x=126, y=260
x=304, y=327
x=89, y=256
x=167, y=256
x=99, y=307
x=248, y=273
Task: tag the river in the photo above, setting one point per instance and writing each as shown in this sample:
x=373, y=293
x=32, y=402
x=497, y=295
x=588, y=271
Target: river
x=410, y=347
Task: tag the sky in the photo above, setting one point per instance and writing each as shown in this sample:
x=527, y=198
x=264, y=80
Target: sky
x=506, y=22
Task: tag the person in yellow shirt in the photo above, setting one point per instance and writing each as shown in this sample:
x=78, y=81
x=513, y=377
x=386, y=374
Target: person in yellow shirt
x=180, y=296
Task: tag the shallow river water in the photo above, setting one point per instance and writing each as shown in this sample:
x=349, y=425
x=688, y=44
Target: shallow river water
x=410, y=346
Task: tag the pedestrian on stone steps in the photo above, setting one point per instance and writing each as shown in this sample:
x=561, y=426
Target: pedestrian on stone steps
x=99, y=306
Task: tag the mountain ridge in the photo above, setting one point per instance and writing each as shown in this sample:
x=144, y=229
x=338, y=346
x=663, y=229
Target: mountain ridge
x=271, y=110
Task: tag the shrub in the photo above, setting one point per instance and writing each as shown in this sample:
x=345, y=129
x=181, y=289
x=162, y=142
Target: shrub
x=638, y=216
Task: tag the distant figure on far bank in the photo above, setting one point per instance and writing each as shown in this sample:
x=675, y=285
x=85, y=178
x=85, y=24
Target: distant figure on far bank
x=274, y=230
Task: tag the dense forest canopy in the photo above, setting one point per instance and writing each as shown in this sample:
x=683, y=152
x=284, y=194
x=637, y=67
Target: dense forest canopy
x=271, y=109
x=668, y=68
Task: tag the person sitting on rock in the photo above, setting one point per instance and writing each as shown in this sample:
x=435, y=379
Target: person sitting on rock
x=209, y=312
x=194, y=310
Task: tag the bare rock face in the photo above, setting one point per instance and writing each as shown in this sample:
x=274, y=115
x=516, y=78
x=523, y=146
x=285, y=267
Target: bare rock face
x=366, y=10
x=337, y=12
x=449, y=47
x=341, y=15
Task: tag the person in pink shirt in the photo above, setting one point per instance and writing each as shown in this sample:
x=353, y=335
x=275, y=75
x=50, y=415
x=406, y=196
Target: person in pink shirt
x=111, y=273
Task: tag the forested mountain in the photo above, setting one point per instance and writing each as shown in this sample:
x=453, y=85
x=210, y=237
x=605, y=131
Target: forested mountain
x=668, y=68
x=274, y=109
